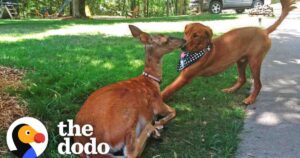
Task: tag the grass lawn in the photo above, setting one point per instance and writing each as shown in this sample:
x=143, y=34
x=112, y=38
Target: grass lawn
x=63, y=70
x=19, y=28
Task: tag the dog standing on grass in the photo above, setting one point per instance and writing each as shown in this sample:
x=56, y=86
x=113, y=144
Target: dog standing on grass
x=243, y=46
x=122, y=114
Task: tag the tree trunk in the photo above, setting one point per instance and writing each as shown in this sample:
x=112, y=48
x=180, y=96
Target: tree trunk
x=168, y=7
x=184, y=7
x=71, y=8
x=180, y=7
x=133, y=5
x=145, y=8
x=78, y=8
x=75, y=9
x=82, y=8
x=123, y=8
x=176, y=7
x=200, y=6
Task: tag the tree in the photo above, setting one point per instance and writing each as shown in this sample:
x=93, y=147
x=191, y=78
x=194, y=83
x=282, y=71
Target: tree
x=78, y=8
x=168, y=7
x=182, y=7
x=200, y=6
x=82, y=8
x=145, y=9
x=176, y=7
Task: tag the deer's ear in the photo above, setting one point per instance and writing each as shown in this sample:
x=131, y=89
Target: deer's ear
x=145, y=38
x=137, y=33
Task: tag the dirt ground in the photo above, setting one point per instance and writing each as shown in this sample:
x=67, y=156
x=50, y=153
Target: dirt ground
x=11, y=107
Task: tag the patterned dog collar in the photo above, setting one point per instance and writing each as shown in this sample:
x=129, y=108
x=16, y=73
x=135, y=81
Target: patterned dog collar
x=187, y=59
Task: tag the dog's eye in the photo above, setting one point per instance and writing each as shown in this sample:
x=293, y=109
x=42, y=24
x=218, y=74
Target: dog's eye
x=195, y=35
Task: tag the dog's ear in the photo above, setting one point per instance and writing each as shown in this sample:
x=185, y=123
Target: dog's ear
x=209, y=33
x=188, y=26
x=137, y=33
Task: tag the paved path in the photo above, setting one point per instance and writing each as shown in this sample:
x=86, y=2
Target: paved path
x=272, y=128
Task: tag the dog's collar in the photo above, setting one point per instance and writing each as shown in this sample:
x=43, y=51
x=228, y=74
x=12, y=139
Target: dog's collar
x=187, y=59
x=204, y=50
x=152, y=77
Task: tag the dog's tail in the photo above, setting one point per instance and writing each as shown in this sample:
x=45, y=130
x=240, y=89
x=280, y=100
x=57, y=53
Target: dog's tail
x=287, y=6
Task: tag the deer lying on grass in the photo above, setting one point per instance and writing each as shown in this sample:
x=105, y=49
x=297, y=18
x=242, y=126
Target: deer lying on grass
x=122, y=114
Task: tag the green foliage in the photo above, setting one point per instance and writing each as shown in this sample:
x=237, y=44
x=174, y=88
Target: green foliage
x=63, y=70
x=33, y=7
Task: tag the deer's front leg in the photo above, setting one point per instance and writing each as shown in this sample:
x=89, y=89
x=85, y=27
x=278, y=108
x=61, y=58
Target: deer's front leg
x=168, y=114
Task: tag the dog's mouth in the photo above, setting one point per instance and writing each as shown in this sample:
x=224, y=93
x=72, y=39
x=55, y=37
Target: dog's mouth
x=183, y=47
x=188, y=47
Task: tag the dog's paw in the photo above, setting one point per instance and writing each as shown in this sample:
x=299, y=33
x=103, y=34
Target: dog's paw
x=249, y=101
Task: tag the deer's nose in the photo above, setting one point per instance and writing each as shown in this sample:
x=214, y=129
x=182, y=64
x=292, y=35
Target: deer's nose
x=183, y=46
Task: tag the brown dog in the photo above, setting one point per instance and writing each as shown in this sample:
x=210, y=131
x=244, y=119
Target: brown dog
x=243, y=46
x=122, y=114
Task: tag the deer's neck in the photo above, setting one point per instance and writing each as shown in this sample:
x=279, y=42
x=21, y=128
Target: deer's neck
x=153, y=64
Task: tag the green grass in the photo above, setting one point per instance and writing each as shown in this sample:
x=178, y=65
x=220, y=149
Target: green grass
x=63, y=70
x=275, y=1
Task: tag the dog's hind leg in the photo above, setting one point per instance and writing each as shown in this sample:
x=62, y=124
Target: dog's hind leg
x=255, y=66
x=241, y=67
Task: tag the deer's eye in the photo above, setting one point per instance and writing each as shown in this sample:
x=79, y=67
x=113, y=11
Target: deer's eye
x=164, y=40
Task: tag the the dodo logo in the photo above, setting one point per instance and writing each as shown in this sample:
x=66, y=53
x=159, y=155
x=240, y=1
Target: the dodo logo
x=27, y=138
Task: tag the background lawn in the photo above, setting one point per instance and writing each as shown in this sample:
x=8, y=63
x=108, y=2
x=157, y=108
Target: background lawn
x=63, y=70
x=25, y=27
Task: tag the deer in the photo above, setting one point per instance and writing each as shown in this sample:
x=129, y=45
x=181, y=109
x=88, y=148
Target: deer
x=124, y=114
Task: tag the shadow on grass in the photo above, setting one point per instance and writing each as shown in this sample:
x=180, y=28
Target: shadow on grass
x=64, y=70
x=21, y=27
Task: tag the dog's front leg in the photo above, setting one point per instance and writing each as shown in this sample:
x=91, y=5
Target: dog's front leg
x=180, y=81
